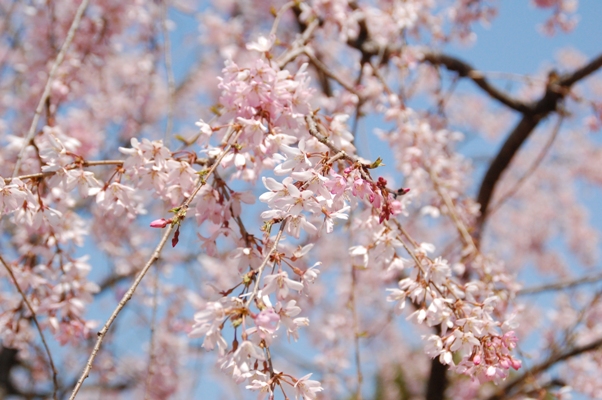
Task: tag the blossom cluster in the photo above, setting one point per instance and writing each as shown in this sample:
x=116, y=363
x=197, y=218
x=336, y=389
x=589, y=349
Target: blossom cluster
x=281, y=227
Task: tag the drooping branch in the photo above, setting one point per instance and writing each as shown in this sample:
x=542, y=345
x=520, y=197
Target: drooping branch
x=151, y=261
x=47, y=88
x=554, y=359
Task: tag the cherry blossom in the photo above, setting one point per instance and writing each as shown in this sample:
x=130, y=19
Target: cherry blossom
x=323, y=174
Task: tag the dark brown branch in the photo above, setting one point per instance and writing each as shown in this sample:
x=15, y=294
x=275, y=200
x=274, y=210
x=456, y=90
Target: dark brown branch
x=437, y=382
x=532, y=113
x=556, y=89
x=8, y=389
x=8, y=360
x=554, y=359
x=570, y=79
x=322, y=78
x=466, y=70
x=37, y=324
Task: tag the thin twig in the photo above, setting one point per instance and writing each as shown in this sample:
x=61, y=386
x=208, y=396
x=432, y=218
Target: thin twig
x=339, y=155
x=57, y=62
x=35, y=320
x=171, y=81
x=356, y=335
x=298, y=46
x=151, y=346
x=265, y=261
x=545, y=365
x=154, y=257
x=376, y=73
x=320, y=65
x=126, y=297
x=279, y=15
x=542, y=154
x=73, y=166
x=560, y=285
x=462, y=230
x=466, y=70
x=313, y=130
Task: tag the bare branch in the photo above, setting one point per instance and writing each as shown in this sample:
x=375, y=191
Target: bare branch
x=451, y=209
x=171, y=80
x=151, y=348
x=320, y=65
x=75, y=165
x=544, y=151
x=466, y=70
x=561, y=285
x=568, y=80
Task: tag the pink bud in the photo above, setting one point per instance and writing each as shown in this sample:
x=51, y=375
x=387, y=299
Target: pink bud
x=476, y=360
x=160, y=223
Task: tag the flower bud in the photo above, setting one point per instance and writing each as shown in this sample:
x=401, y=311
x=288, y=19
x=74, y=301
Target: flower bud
x=160, y=223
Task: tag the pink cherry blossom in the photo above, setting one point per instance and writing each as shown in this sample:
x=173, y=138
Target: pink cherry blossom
x=326, y=171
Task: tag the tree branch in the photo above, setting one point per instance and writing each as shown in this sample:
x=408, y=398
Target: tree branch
x=498, y=204
x=46, y=94
x=556, y=89
x=560, y=285
x=437, y=382
x=504, y=391
x=154, y=257
x=466, y=70
x=37, y=324
x=69, y=167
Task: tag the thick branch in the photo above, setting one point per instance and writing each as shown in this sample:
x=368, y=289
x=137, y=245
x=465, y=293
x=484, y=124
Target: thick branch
x=570, y=79
x=437, y=382
x=539, y=368
x=517, y=137
x=466, y=70
x=556, y=90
